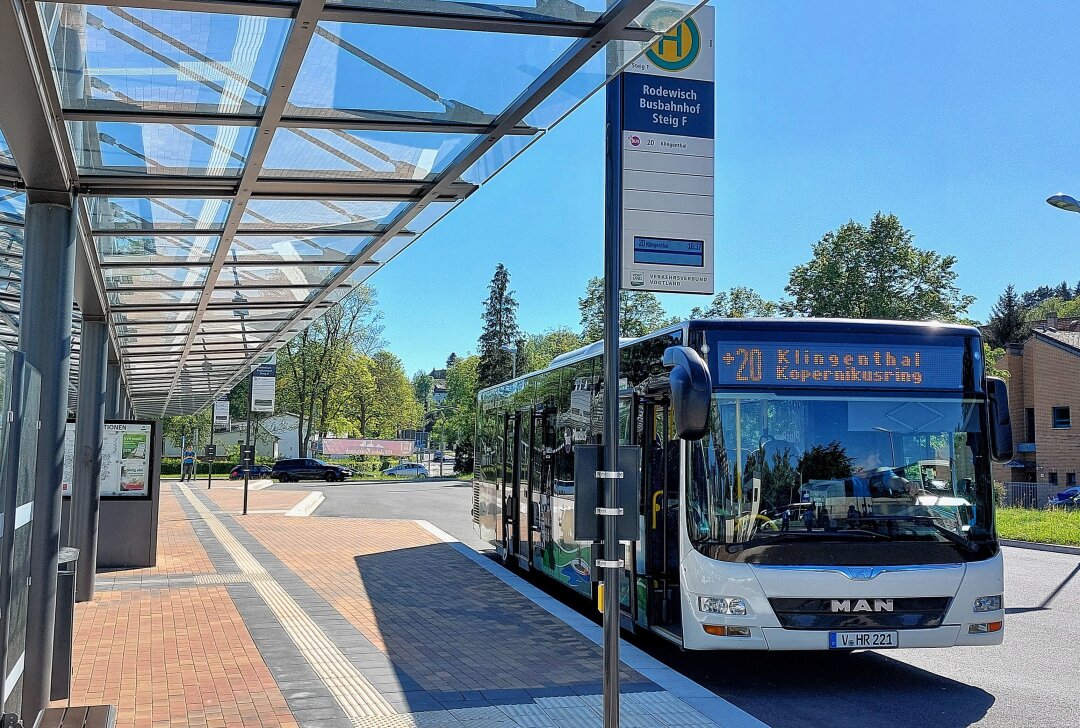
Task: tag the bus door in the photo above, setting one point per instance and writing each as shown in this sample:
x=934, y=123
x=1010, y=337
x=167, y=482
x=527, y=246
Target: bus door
x=541, y=482
x=522, y=497
x=660, y=455
x=507, y=534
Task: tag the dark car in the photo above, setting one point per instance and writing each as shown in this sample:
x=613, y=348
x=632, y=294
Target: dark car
x=1070, y=497
x=294, y=469
x=257, y=471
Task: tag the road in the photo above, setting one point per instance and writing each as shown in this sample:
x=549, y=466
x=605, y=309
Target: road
x=1033, y=680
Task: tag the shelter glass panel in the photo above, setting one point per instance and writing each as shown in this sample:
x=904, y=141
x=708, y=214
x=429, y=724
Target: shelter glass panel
x=583, y=11
x=149, y=149
x=133, y=277
x=141, y=59
x=124, y=330
x=422, y=73
x=154, y=213
x=288, y=248
x=12, y=207
x=340, y=154
x=166, y=298
x=236, y=315
x=313, y=215
x=305, y=275
x=214, y=327
x=156, y=248
x=158, y=317
x=263, y=295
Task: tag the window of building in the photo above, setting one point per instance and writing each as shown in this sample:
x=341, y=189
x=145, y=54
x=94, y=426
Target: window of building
x=1061, y=418
x=1029, y=416
x=1053, y=478
x=1070, y=479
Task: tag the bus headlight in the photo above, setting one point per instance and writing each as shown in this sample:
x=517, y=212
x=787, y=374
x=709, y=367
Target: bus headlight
x=987, y=604
x=722, y=605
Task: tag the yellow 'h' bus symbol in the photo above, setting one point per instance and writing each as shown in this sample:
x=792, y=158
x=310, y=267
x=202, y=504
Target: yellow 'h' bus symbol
x=677, y=48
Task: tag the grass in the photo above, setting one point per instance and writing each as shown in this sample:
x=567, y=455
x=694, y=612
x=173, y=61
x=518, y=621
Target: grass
x=1041, y=526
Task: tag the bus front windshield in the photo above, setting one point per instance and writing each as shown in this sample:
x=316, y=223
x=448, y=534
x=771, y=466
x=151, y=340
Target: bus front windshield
x=787, y=469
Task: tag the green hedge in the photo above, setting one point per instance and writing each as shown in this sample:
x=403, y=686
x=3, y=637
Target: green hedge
x=222, y=466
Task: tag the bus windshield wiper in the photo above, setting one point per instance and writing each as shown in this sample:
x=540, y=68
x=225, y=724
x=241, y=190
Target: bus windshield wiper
x=847, y=534
x=931, y=522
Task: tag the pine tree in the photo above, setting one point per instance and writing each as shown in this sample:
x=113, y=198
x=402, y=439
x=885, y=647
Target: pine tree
x=1064, y=292
x=500, y=330
x=1007, y=320
x=451, y=359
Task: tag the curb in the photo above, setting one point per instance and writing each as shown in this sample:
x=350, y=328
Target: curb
x=701, y=699
x=1034, y=546
x=307, y=506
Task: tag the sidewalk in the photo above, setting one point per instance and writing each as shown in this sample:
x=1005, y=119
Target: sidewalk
x=272, y=620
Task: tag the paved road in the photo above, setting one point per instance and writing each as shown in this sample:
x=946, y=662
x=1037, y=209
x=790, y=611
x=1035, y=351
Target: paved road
x=1033, y=680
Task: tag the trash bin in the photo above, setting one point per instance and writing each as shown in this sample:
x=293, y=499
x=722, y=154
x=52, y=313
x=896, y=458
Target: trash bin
x=64, y=631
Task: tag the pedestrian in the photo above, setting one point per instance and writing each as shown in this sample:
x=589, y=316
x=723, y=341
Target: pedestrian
x=187, y=467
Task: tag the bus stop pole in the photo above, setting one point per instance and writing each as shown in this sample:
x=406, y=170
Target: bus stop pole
x=247, y=442
x=612, y=566
x=210, y=458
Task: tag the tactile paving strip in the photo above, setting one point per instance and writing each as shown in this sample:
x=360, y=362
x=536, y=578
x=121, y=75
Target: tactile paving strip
x=357, y=697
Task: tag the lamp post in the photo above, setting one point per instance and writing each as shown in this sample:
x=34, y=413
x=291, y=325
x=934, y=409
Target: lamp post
x=1064, y=202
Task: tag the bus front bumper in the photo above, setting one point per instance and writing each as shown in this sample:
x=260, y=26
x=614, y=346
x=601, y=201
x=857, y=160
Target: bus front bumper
x=950, y=635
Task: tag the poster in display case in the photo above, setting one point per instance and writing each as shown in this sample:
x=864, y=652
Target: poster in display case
x=125, y=459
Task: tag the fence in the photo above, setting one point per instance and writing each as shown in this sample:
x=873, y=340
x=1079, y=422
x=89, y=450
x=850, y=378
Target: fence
x=1029, y=495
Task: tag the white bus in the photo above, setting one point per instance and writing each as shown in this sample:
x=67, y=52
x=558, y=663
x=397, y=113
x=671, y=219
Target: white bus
x=805, y=484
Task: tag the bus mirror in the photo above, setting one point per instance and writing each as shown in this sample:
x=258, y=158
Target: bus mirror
x=1001, y=437
x=691, y=391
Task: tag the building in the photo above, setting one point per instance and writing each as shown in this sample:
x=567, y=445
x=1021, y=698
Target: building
x=438, y=386
x=1044, y=404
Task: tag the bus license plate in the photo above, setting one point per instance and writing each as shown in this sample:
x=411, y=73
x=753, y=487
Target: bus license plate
x=862, y=640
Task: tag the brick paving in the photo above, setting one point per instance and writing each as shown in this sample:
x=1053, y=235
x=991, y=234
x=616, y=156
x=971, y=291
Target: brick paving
x=270, y=620
x=259, y=501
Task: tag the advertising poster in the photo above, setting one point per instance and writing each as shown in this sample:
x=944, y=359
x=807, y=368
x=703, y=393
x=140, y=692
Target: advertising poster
x=125, y=459
x=263, y=387
x=221, y=415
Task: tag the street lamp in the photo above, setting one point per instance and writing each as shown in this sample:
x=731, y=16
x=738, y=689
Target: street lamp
x=1064, y=202
x=512, y=348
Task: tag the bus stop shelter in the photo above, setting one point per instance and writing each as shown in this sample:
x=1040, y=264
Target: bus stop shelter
x=186, y=184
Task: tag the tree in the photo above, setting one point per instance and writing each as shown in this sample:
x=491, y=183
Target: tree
x=540, y=349
x=1007, y=320
x=393, y=402
x=455, y=426
x=875, y=272
x=738, y=302
x=423, y=386
x=312, y=364
x=991, y=357
x=1064, y=292
x=500, y=330
x=1056, y=306
x=184, y=427
x=451, y=359
x=640, y=312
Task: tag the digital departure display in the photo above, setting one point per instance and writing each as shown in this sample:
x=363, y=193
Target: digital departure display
x=665, y=251
x=781, y=364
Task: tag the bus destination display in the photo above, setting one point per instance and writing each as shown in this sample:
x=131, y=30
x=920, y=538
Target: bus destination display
x=663, y=251
x=758, y=363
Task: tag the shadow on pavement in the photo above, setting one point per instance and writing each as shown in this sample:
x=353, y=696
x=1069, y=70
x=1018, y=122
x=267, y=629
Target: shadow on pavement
x=1050, y=597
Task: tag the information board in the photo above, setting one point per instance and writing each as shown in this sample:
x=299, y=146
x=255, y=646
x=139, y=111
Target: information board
x=125, y=459
x=667, y=150
x=221, y=415
x=264, y=387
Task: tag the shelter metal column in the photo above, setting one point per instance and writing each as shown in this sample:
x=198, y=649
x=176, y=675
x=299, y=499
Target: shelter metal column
x=123, y=407
x=45, y=338
x=112, y=391
x=86, y=474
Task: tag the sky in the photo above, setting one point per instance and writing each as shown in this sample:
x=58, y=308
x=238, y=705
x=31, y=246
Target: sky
x=959, y=117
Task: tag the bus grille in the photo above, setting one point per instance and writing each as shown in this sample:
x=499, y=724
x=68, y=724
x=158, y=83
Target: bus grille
x=907, y=613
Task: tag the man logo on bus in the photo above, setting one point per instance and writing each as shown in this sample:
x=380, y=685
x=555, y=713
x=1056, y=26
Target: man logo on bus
x=861, y=605
x=678, y=48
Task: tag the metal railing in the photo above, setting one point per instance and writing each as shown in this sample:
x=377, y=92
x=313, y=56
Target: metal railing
x=1029, y=495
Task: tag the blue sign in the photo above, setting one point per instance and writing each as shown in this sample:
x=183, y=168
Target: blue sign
x=828, y=365
x=666, y=251
x=666, y=105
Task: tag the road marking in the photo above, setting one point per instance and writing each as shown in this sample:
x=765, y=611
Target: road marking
x=357, y=697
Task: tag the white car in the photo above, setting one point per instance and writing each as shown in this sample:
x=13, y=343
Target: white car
x=407, y=470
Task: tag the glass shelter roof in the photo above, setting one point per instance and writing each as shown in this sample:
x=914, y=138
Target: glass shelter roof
x=242, y=165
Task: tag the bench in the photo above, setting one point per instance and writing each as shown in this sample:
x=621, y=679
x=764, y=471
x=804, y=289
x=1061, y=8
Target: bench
x=83, y=716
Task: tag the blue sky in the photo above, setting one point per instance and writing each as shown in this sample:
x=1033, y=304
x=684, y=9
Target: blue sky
x=959, y=117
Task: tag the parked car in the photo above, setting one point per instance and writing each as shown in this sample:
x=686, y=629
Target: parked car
x=295, y=469
x=257, y=471
x=407, y=470
x=438, y=457
x=1070, y=497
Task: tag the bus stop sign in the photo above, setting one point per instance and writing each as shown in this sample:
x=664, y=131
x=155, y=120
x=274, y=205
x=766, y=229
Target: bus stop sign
x=247, y=454
x=211, y=451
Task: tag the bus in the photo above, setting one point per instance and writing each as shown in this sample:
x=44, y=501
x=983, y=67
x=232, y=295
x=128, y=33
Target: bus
x=804, y=483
